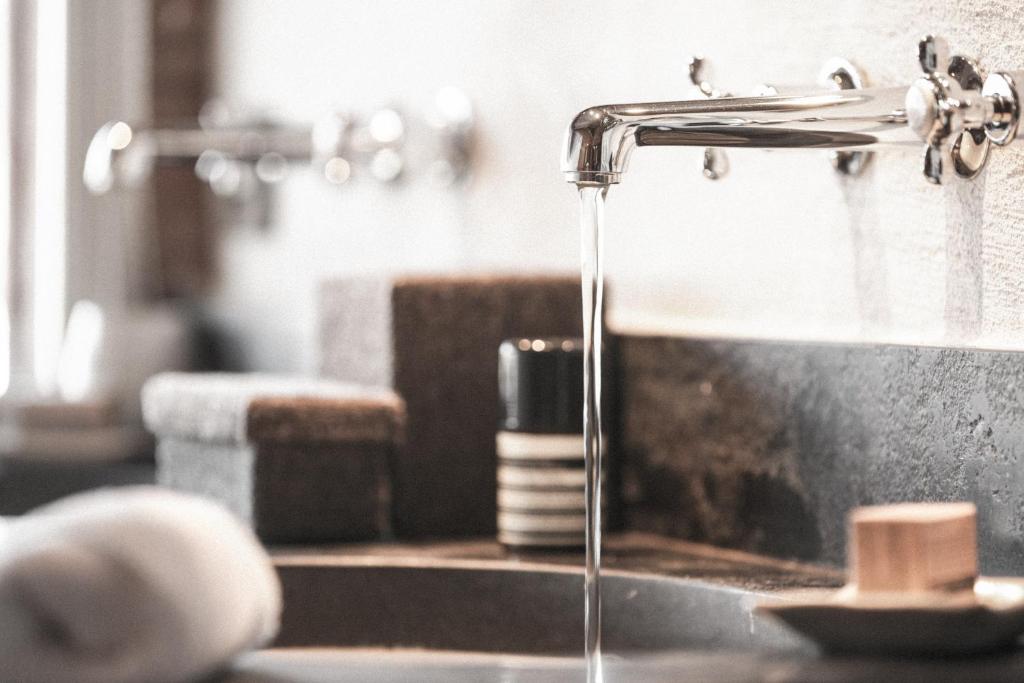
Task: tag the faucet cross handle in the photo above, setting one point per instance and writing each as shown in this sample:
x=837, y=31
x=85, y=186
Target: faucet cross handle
x=716, y=164
x=946, y=106
x=842, y=74
x=933, y=54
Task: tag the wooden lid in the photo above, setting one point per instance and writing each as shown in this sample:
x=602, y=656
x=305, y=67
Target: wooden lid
x=913, y=547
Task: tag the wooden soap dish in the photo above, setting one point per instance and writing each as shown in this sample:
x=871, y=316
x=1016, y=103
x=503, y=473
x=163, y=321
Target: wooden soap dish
x=913, y=589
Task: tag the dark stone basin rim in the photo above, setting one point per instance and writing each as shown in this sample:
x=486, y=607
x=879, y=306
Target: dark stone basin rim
x=510, y=607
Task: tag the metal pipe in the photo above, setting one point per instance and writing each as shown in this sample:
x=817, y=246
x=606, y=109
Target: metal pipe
x=241, y=144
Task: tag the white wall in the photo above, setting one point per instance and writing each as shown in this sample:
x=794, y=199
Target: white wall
x=780, y=248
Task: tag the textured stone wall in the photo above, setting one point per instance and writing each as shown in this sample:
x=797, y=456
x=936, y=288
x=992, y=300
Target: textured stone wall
x=766, y=445
x=781, y=247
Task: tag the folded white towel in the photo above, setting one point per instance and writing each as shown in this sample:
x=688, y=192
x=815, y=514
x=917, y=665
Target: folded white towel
x=131, y=585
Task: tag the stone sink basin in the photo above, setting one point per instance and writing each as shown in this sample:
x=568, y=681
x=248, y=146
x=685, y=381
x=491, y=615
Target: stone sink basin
x=673, y=612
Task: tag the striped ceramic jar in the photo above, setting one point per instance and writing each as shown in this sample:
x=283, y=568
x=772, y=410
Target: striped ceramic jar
x=541, y=478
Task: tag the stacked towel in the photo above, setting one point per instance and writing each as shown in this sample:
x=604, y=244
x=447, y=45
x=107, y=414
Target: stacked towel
x=302, y=460
x=216, y=408
x=131, y=585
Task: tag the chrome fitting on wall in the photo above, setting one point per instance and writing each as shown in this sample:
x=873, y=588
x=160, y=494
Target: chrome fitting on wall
x=958, y=111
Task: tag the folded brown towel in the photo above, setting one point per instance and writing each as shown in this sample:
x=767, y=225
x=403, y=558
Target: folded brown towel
x=306, y=418
x=303, y=460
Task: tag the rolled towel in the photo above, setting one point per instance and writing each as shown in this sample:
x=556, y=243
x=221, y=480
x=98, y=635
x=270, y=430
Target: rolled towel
x=131, y=585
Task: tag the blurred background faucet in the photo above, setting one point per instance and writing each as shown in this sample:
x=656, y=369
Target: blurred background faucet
x=242, y=158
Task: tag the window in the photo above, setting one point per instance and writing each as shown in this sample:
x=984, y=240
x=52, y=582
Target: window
x=33, y=193
x=6, y=207
x=66, y=68
x=49, y=233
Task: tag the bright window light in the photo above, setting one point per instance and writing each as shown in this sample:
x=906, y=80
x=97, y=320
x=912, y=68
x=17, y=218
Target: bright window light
x=5, y=198
x=49, y=235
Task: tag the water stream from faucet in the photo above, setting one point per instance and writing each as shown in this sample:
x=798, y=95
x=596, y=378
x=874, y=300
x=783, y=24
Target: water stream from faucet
x=591, y=245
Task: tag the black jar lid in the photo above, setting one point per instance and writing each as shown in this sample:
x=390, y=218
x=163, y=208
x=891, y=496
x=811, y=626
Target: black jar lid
x=540, y=385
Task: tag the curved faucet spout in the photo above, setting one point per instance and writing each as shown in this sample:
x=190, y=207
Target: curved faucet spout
x=601, y=139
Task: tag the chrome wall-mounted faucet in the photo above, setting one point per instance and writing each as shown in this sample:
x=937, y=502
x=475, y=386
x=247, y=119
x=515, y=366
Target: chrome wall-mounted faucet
x=953, y=108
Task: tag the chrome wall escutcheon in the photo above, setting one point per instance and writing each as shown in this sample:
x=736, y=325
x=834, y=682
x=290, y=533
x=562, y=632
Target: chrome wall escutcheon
x=1002, y=91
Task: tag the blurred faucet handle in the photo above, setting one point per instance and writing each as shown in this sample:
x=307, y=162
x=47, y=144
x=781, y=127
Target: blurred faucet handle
x=331, y=141
x=117, y=155
x=716, y=164
x=385, y=136
x=453, y=121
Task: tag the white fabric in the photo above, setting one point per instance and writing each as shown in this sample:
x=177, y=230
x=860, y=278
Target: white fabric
x=131, y=585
